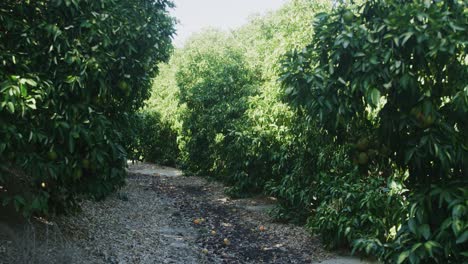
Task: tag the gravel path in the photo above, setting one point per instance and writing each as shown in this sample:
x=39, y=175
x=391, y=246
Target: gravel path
x=163, y=217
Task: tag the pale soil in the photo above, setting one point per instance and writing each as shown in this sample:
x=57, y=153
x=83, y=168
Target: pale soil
x=161, y=216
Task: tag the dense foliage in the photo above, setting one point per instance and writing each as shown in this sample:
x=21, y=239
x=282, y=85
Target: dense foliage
x=359, y=130
x=152, y=139
x=214, y=83
x=71, y=72
x=408, y=70
x=402, y=68
x=356, y=123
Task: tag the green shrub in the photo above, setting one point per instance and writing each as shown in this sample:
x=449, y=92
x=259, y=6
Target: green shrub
x=71, y=71
x=406, y=73
x=264, y=145
x=355, y=206
x=165, y=94
x=155, y=139
x=436, y=229
x=259, y=146
x=328, y=189
x=401, y=68
x=214, y=83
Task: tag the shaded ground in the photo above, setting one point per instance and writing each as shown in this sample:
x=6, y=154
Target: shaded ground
x=163, y=217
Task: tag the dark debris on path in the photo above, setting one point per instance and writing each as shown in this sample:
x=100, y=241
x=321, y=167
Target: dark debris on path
x=228, y=232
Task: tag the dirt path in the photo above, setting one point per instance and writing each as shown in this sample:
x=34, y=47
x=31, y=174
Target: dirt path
x=163, y=217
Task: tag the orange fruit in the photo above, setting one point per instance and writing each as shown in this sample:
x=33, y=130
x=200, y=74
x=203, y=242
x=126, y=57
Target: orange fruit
x=52, y=155
x=348, y=17
x=85, y=163
x=363, y=158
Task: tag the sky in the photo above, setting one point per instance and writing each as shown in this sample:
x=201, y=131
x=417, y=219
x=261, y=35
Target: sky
x=195, y=15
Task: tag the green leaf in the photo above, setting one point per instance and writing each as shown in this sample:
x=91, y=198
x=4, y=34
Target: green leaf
x=31, y=103
x=71, y=144
x=70, y=79
x=24, y=91
x=416, y=246
x=458, y=211
x=430, y=245
x=457, y=226
x=462, y=238
x=425, y=231
x=347, y=230
x=31, y=82
x=11, y=107
x=412, y=226
x=409, y=154
x=403, y=256
x=375, y=96
x=406, y=36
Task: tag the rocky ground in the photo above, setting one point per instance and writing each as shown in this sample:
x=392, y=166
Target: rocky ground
x=161, y=216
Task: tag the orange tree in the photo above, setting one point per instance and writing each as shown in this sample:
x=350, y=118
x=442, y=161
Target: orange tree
x=402, y=67
x=70, y=73
x=214, y=81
